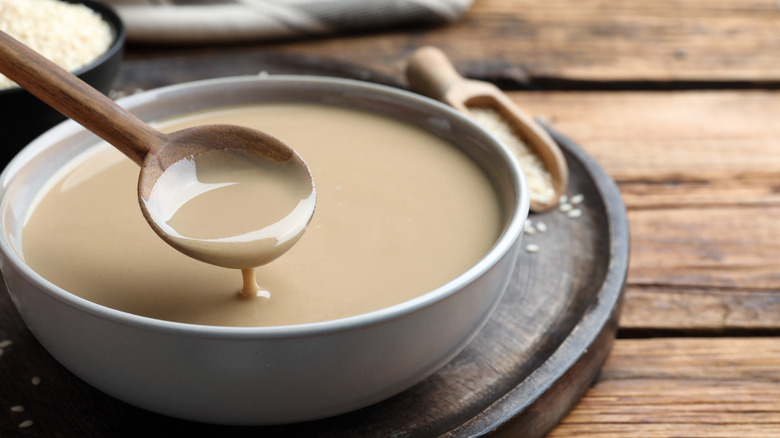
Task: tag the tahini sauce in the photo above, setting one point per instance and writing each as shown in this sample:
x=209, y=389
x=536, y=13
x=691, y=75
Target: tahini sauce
x=233, y=208
x=400, y=212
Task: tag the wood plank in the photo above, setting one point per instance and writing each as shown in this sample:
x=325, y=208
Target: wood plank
x=665, y=138
x=570, y=42
x=682, y=387
x=607, y=41
x=692, y=358
x=715, y=248
x=549, y=44
x=699, y=310
x=704, y=269
x=698, y=172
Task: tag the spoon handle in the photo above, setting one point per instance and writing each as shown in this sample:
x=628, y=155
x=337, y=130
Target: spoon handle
x=431, y=73
x=74, y=98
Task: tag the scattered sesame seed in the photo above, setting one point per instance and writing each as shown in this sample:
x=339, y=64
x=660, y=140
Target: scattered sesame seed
x=36, y=380
x=563, y=199
x=25, y=424
x=575, y=213
x=576, y=199
x=541, y=226
x=532, y=247
x=7, y=343
x=17, y=408
x=565, y=207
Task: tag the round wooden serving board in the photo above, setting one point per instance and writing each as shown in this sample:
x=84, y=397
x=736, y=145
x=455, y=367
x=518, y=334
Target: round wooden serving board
x=525, y=370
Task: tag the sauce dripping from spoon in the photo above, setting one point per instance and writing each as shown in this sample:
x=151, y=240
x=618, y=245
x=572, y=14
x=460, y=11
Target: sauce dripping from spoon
x=232, y=209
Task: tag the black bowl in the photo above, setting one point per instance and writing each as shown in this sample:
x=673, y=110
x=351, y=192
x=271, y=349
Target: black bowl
x=23, y=117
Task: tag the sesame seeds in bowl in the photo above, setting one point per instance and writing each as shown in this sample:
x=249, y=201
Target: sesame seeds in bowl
x=69, y=34
x=85, y=37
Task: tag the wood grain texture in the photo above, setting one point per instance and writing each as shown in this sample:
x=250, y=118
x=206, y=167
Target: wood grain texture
x=682, y=387
x=700, y=175
x=718, y=143
x=571, y=43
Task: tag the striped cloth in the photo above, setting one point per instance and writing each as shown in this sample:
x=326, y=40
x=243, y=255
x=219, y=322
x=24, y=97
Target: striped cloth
x=180, y=21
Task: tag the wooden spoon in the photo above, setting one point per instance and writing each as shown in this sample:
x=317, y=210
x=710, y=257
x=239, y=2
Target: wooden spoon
x=153, y=150
x=429, y=72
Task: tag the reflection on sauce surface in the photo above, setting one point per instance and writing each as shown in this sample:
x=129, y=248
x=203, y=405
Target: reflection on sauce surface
x=232, y=208
x=399, y=213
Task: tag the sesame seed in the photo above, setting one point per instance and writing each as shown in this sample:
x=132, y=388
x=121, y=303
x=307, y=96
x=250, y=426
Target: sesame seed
x=565, y=207
x=563, y=199
x=70, y=35
x=576, y=199
x=17, y=408
x=575, y=213
x=36, y=380
x=541, y=226
x=532, y=247
x=7, y=343
x=25, y=424
x=540, y=182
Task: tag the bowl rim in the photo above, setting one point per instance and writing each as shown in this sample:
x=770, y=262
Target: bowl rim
x=118, y=30
x=503, y=244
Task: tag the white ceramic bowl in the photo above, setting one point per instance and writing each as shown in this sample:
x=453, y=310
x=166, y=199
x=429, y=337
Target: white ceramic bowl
x=266, y=375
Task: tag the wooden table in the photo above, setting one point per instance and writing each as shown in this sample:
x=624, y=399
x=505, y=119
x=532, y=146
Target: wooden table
x=679, y=102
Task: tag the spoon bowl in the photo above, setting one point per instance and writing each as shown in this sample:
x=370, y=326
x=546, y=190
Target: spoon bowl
x=225, y=154
x=156, y=152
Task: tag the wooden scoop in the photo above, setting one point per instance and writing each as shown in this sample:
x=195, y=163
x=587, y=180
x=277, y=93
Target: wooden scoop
x=153, y=150
x=429, y=72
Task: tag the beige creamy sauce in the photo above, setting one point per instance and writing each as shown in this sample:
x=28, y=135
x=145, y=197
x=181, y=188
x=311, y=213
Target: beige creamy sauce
x=399, y=213
x=233, y=208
